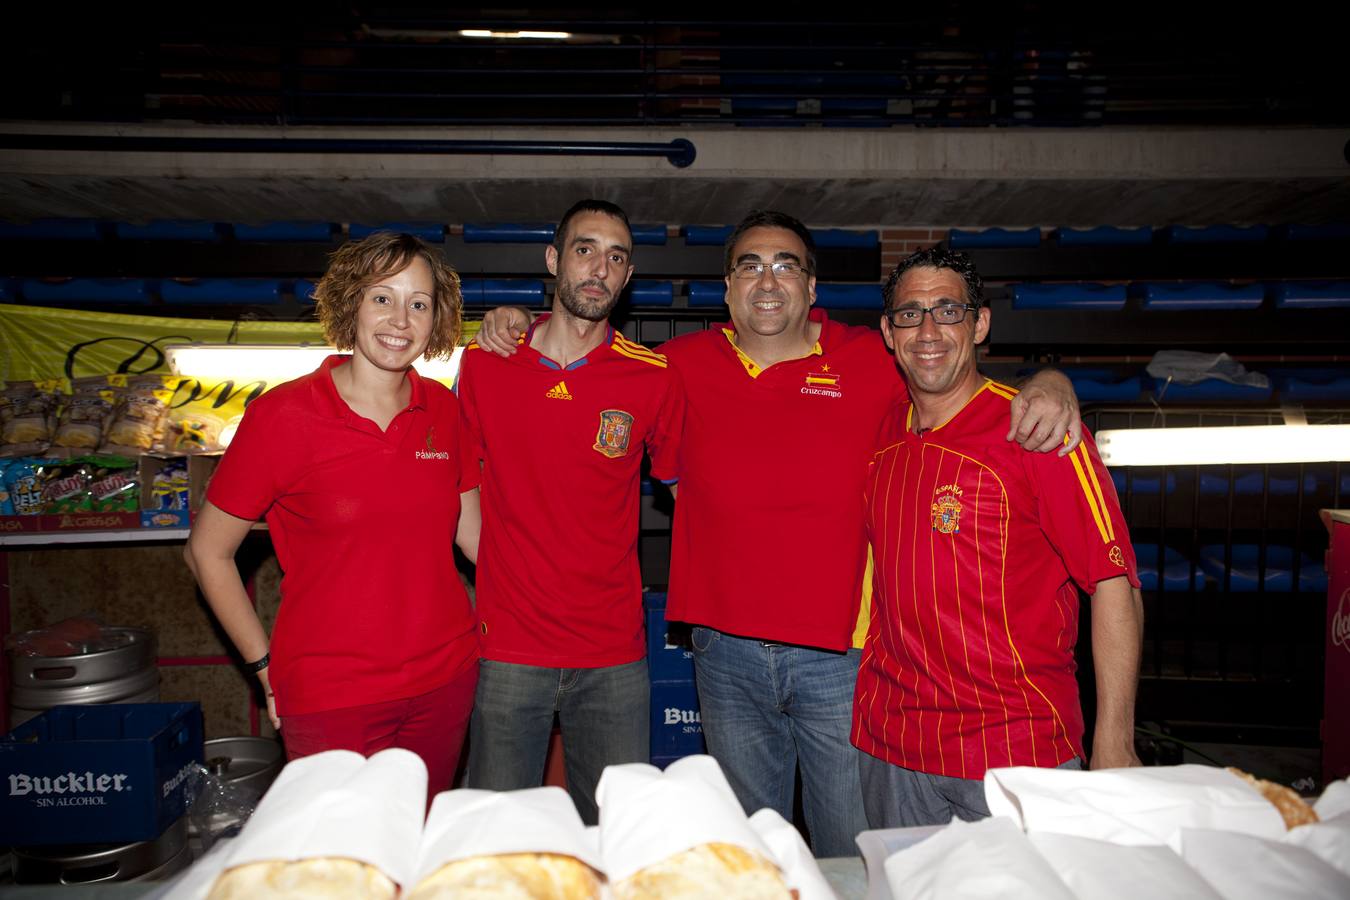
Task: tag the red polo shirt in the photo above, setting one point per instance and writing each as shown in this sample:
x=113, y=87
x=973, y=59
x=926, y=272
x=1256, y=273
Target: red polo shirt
x=768, y=537
x=363, y=522
x=558, y=578
x=978, y=547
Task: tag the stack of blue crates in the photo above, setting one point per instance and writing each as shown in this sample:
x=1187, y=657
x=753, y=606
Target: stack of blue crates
x=677, y=730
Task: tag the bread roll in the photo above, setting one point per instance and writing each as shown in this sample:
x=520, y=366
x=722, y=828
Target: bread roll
x=511, y=876
x=319, y=879
x=1291, y=806
x=712, y=871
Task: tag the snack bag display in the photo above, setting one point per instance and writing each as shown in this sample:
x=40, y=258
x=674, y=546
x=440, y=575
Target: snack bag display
x=115, y=485
x=139, y=415
x=169, y=489
x=65, y=488
x=27, y=411
x=23, y=483
x=80, y=424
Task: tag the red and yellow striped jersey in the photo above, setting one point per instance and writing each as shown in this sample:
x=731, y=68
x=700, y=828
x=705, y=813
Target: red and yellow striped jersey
x=558, y=577
x=978, y=546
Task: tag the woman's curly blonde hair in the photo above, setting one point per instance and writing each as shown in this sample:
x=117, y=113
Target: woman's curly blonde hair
x=358, y=264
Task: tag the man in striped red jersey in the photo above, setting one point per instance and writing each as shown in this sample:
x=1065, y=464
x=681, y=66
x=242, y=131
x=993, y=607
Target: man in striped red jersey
x=979, y=550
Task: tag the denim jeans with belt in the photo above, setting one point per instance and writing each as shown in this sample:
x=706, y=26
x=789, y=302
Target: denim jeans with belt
x=767, y=708
x=603, y=714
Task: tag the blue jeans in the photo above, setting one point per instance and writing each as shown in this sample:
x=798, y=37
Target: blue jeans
x=768, y=707
x=603, y=714
x=897, y=797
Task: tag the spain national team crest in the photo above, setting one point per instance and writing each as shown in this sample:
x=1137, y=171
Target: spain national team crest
x=616, y=428
x=947, y=509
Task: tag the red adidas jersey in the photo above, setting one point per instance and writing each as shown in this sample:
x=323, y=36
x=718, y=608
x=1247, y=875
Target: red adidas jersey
x=979, y=544
x=558, y=578
x=363, y=522
x=768, y=537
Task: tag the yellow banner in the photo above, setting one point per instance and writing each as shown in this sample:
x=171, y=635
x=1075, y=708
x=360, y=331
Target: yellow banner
x=42, y=344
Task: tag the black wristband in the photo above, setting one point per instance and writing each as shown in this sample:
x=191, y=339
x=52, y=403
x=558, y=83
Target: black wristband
x=254, y=668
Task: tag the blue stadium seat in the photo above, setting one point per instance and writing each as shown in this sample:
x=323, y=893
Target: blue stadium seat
x=842, y=238
x=1217, y=234
x=54, y=230
x=291, y=232
x=1080, y=295
x=1103, y=236
x=1334, y=232
x=1210, y=390
x=649, y=235
x=1176, y=570
x=1105, y=386
x=991, y=238
x=85, y=290
x=1312, y=385
x=1200, y=295
x=848, y=296
x=303, y=290
x=707, y=293
x=651, y=293
x=1311, y=294
x=169, y=230
x=706, y=235
x=257, y=291
x=431, y=232
x=505, y=233
x=1141, y=482
x=1246, y=575
x=1247, y=482
x=503, y=292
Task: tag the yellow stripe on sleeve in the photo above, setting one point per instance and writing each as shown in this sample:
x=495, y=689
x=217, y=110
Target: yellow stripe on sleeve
x=1097, y=490
x=1087, y=494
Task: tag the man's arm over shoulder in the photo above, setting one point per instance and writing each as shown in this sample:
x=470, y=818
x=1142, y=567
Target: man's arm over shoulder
x=1117, y=640
x=1044, y=412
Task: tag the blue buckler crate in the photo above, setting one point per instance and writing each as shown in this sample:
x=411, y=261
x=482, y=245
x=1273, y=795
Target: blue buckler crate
x=98, y=774
x=669, y=657
x=677, y=728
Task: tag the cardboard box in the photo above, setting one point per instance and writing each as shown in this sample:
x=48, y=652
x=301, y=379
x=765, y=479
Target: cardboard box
x=110, y=773
x=677, y=727
x=669, y=655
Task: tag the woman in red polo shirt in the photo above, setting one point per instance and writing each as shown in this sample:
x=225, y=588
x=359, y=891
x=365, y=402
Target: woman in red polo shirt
x=359, y=471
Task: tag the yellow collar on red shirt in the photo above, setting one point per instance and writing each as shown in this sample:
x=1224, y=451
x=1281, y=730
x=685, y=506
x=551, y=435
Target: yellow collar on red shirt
x=751, y=367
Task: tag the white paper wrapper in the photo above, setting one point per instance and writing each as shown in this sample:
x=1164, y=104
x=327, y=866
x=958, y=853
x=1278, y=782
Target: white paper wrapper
x=467, y=823
x=1099, y=870
x=647, y=815
x=1328, y=840
x=331, y=804
x=1335, y=800
x=976, y=860
x=800, y=869
x=879, y=844
x=1245, y=867
x=1137, y=806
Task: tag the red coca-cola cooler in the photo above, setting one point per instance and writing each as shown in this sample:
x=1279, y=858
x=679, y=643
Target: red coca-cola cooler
x=1336, y=705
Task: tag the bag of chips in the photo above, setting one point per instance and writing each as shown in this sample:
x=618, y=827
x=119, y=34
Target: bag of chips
x=138, y=416
x=27, y=411
x=81, y=422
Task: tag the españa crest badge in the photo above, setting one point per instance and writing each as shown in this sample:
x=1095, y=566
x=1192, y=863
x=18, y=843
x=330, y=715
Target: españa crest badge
x=947, y=510
x=616, y=428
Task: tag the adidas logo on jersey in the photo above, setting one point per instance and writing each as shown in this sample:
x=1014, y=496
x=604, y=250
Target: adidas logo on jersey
x=559, y=392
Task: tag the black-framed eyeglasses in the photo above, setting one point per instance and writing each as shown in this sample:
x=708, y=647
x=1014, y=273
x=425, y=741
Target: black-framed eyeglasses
x=780, y=269
x=944, y=314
